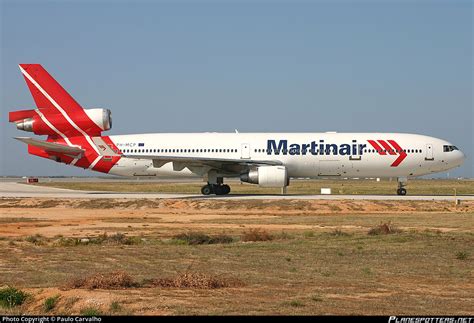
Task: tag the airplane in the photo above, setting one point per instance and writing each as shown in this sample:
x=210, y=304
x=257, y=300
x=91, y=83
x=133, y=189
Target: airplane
x=74, y=137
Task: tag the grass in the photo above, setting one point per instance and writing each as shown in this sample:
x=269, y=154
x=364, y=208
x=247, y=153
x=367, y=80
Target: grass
x=197, y=238
x=267, y=273
x=91, y=311
x=36, y=239
x=115, y=306
x=426, y=269
x=256, y=234
x=462, y=255
x=384, y=228
x=316, y=298
x=296, y=303
x=50, y=303
x=11, y=297
x=415, y=187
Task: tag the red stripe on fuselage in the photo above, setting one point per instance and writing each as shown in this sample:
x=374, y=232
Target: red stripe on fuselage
x=377, y=147
x=402, y=156
x=387, y=147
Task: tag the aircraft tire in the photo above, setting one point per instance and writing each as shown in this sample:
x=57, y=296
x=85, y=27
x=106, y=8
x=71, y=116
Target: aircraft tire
x=219, y=189
x=226, y=189
x=206, y=190
x=402, y=191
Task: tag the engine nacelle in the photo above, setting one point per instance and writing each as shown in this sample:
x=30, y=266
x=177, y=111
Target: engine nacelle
x=36, y=125
x=267, y=176
x=101, y=117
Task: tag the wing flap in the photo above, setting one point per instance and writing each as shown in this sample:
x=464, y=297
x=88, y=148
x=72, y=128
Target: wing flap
x=223, y=164
x=201, y=160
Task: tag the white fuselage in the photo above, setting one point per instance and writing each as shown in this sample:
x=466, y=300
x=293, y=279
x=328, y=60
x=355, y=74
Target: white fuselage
x=309, y=155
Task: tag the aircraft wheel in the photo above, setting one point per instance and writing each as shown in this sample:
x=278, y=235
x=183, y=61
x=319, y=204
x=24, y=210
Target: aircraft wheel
x=206, y=190
x=219, y=189
x=402, y=191
x=226, y=189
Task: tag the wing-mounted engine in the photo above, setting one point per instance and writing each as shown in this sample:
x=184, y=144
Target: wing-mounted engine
x=267, y=176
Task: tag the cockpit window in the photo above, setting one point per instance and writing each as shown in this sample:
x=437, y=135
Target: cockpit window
x=448, y=148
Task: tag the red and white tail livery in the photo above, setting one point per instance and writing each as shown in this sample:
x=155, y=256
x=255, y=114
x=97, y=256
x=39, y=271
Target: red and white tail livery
x=74, y=136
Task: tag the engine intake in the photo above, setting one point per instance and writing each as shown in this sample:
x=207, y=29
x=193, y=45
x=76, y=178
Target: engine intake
x=267, y=176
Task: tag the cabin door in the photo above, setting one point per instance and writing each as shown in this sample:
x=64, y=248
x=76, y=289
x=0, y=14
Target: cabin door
x=429, y=152
x=245, y=151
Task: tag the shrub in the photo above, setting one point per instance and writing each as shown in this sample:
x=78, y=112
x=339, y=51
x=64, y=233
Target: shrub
x=193, y=238
x=257, y=234
x=462, y=255
x=197, y=238
x=119, y=238
x=296, y=303
x=283, y=236
x=90, y=311
x=115, y=306
x=50, y=303
x=36, y=239
x=316, y=298
x=222, y=238
x=113, y=280
x=10, y=297
x=339, y=233
x=196, y=280
x=384, y=228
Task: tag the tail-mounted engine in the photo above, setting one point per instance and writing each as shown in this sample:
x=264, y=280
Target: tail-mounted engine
x=34, y=121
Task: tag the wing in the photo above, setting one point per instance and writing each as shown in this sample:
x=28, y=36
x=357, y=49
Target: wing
x=51, y=146
x=200, y=165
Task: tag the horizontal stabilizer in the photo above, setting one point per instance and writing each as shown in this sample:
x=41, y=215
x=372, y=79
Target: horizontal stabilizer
x=51, y=146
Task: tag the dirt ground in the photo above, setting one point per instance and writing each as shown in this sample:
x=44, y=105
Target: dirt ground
x=321, y=259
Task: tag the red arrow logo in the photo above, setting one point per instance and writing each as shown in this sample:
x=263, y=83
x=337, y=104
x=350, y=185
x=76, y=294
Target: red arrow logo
x=395, y=149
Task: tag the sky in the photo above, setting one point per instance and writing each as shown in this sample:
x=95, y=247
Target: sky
x=255, y=66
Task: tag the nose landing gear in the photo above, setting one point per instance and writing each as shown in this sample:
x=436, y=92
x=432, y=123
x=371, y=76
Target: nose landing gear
x=401, y=191
x=402, y=182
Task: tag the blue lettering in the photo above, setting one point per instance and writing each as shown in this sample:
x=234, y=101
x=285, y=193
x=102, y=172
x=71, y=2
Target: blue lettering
x=272, y=147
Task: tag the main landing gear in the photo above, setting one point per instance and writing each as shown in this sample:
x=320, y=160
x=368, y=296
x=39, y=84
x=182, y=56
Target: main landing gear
x=218, y=189
x=402, y=182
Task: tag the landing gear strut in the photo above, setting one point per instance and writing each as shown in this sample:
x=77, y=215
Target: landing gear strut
x=218, y=189
x=402, y=182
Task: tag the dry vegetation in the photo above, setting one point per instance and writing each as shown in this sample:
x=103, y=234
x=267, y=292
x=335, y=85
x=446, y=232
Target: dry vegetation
x=195, y=280
x=384, y=187
x=219, y=257
x=113, y=280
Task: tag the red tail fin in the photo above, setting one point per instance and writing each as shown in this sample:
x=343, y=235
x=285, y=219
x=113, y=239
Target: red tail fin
x=53, y=101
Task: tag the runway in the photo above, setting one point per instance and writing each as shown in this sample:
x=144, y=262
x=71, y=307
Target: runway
x=20, y=190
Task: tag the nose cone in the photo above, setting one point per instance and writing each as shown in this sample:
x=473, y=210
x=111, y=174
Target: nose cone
x=458, y=158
